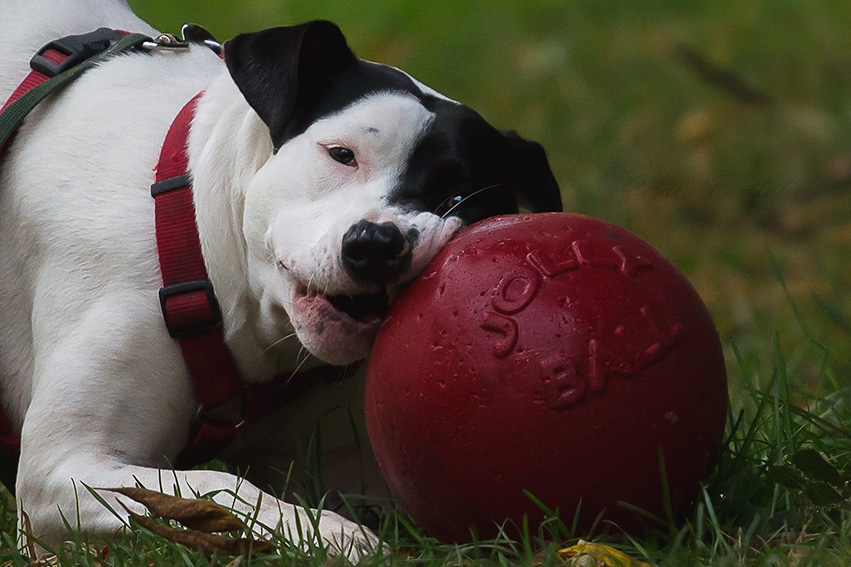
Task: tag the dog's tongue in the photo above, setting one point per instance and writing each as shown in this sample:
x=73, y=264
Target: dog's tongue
x=367, y=307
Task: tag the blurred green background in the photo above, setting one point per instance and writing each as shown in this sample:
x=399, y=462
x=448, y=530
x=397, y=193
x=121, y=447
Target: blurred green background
x=718, y=131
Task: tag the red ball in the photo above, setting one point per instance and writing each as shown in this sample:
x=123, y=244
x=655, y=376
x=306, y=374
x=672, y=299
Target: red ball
x=554, y=354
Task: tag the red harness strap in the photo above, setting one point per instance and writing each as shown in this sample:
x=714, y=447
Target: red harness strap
x=189, y=306
x=34, y=79
x=192, y=314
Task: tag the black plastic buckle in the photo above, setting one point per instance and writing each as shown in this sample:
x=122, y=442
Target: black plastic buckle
x=78, y=48
x=188, y=287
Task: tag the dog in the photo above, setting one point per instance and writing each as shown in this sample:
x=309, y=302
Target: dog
x=322, y=183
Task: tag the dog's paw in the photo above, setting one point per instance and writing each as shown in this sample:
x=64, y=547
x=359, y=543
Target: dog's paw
x=348, y=539
x=311, y=530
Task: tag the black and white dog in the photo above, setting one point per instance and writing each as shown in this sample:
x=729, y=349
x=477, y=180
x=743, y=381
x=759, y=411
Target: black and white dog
x=295, y=142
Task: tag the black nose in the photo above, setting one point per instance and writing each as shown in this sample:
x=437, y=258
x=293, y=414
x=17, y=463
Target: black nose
x=375, y=253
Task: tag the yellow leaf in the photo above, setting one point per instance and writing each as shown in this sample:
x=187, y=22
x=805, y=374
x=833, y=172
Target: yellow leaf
x=585, y=554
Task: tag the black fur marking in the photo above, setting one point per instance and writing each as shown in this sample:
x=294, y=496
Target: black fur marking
x=281, y=71
x=294, y=76
x=348, y=86
x=462, y=154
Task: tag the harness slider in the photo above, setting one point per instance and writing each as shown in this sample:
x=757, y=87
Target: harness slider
x=199, y=313
x=75, y=48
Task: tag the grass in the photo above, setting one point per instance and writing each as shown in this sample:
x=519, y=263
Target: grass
x=778, y=497
x=718, y=132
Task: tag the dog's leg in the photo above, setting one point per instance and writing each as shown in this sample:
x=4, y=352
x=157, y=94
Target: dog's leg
x=65, y=494
x=106, y=402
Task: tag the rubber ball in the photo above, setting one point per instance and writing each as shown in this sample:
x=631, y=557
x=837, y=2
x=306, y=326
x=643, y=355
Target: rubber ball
x=549, y=362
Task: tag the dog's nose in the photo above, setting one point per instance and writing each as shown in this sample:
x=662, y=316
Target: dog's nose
x=375, y=253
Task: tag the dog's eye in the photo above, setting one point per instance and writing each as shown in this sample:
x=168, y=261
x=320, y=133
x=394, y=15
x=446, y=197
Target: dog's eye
x=448, y=205
x=342, y=155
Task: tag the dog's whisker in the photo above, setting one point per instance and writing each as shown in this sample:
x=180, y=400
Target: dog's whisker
x=277, y=342
x=468, y=197
x=302, y=363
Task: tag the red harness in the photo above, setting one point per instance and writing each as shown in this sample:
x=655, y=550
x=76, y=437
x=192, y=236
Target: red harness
x=190, y=309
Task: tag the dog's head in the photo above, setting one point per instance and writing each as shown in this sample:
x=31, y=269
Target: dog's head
x=372, y=174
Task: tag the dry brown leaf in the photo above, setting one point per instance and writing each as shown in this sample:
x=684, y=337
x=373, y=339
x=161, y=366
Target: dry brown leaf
x=28, y=530
x=196, y=514
x=202, y=541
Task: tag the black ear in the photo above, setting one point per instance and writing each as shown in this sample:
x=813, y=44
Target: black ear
x=280, y=69
x=533, y=176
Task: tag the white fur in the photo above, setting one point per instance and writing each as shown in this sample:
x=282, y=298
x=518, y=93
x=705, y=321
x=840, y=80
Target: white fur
x=87, y=369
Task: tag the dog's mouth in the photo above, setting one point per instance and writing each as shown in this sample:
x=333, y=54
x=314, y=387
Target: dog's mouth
x=364, y=308
x=338, y=328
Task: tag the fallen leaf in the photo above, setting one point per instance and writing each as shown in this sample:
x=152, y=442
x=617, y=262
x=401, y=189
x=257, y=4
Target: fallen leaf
x=202, y=541
x=787, y=476
x=196, y=513
x=28, y=530
x=816, y=467
x=585, y=554
x=822, y=494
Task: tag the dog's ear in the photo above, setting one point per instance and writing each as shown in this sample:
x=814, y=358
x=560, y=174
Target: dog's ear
x=532, y=175
x=279, y=69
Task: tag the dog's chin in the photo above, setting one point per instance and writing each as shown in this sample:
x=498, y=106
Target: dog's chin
x=337, y=329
